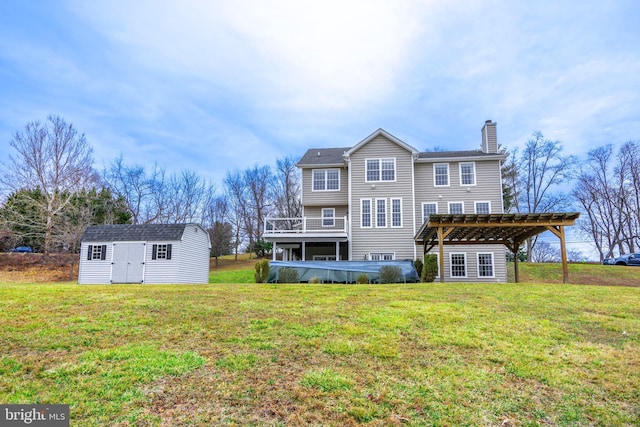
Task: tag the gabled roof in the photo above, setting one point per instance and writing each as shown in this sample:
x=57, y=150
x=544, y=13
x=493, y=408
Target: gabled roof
x=133, y=232
x=323, y=157
x=374, y=135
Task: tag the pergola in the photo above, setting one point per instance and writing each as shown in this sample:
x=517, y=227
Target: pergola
x=510, y=230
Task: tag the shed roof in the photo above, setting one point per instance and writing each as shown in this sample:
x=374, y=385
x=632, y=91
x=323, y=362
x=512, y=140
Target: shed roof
x=133, y=232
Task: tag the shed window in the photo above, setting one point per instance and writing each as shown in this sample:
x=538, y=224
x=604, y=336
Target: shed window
x=161, y=251
x=97, y=252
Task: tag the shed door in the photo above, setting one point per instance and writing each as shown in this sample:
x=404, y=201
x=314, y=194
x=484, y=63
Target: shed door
x=128, y=263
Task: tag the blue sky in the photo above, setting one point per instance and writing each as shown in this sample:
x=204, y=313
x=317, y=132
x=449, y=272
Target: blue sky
x=213, y=86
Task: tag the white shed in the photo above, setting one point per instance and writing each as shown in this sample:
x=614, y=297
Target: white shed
x=144, y=253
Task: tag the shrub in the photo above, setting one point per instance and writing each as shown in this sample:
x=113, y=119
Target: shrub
x=362, y=278
x=430, y=268
x=315, y=280
x=288, y=275
x=391, y=274
x=262, y=271
x=418, y=265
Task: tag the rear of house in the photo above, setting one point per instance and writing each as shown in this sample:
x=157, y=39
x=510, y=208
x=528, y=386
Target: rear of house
x=368, y=201
x=144, y=253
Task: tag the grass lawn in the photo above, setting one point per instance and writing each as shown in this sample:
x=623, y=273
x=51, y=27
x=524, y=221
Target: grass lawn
x=424, y=354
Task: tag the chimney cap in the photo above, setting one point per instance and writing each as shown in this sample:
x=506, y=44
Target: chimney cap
x=488, y=121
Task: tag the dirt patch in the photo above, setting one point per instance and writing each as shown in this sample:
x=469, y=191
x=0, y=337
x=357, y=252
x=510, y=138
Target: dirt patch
x=36, y=268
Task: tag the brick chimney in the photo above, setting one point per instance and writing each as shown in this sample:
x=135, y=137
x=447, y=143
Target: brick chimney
x=489, y=137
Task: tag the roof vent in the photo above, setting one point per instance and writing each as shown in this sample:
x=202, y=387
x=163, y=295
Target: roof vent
x=318, y=154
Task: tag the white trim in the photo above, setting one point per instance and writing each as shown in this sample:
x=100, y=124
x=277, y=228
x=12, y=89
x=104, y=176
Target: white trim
x=435, y=184
x=326, y=180
x=451, y=254
x=332, y=217
x=422, y=210
x=381, y=256
x=391, y=206
x=380, y=160
x=454, y=203
x=413, y=205
x=474, y=174
x=371, y=216
x=386, y=222
x=351, y=216
x=475, y=205
x=493, y=265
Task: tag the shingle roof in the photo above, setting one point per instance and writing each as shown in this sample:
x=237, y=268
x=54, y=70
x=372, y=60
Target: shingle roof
x=442, y=154
x=323, y=156
x=130, y=232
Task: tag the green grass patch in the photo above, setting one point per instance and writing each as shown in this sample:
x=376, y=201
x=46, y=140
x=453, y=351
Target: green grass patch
x=421, y=355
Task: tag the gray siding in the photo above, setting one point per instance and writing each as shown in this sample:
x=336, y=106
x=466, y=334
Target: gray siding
x=471, y=252
x=94, y=271
x=388, y=239
x=329, y=198
x=193, y=261
x=488, y=188
x=162, y=270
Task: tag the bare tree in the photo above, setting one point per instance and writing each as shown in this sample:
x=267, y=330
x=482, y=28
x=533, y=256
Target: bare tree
x=236, y=193
x=288, y=191
x=259, y=184
x=608, y=188
x=540, y=173
x=53, y=158
x=545, y=252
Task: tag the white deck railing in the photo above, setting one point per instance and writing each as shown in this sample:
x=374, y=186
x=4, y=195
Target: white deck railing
x=305, y=225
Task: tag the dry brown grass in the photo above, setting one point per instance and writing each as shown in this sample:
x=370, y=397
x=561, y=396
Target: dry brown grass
x=36, y=268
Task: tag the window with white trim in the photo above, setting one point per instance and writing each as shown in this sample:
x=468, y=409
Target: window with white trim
x=161, y=251
x=441, y=174
x=483, y=207
x=328, y=217
x=380, y=170
x=485, y=265
x=381, y=256
x=468, y=173
x=429, y=208
x=326, y=180
x=365, y=213
x=96, y=252
x=381, y=212
x=458, y=264
x=396, y=212
x=456, y=208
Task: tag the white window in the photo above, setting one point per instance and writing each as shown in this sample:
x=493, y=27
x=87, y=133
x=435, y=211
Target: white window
x=326, y=180
x=458, y=264
x=381, y=212
x=97, y=252
x=483, y=207
x=429, y=208
x=379, y=256
x=485, y=265
x=161, y=251
x=468, y=173
x=396, y=212
x=381, y=170
x=456, y=208
x=441, y=174
x=365, y=205
x=328, y=217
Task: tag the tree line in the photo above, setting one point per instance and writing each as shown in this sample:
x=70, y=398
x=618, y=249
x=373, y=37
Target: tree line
x=52, y=192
